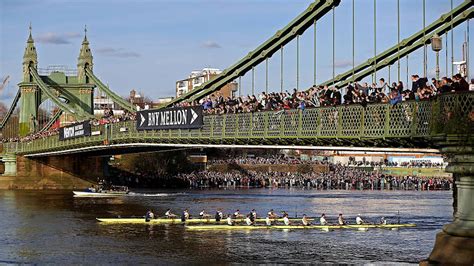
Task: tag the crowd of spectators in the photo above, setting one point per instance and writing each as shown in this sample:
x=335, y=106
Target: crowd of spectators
x=387, y=163
x=316, y=96
x=281, y=159
x=108, y=118
x=274, y=159
x=338, y=177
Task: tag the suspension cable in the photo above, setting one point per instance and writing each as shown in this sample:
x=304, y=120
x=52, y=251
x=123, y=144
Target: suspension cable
x=314, y=59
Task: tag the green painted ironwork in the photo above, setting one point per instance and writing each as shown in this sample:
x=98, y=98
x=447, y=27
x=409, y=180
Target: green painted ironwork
x=410, y=48
x=302, y=22
x=51, y=122
x=447, y=20
x=12, y=108
x=406, y=124
x=116, y=98
x=70, y=107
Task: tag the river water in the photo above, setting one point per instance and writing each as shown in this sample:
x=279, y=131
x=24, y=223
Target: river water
x=53, y=227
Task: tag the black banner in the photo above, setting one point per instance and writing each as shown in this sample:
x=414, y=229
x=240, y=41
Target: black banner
x=170, y=118
x=74, y=131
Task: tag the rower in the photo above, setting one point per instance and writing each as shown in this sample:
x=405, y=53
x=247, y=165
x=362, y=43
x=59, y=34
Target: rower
x=229, y=220
x=201, y=214
x=218, y=216
x=305, y=220
x=322, y=220
x=286, y=220
x=185, y=216
x=149, y=215
x=268, y=221
x=253, y=215
x=272, y=214
x=248, y=220
x=237, y=214
x=340, y=220
x=169, y=215
x=359, y=220
x=383, y=221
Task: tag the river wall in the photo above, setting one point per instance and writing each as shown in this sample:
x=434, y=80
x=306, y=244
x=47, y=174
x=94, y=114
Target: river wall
x=56, y=172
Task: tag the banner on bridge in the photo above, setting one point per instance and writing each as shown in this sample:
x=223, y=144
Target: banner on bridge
x=170, y=118
x=75, y=131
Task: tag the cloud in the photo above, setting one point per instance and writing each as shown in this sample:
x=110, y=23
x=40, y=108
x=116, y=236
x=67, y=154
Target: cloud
x=57, y=38
x=343, y=63
x=116, y=52
x=72, y=34
x=211, y=45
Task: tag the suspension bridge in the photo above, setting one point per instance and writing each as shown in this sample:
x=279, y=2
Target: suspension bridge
x=51, y=98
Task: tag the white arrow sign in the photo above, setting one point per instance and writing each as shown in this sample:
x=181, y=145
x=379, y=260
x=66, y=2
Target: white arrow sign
x=194, y=116
x=142, y=120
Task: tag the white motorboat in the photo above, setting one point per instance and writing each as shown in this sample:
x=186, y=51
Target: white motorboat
x=106, y=193
x=115, y=191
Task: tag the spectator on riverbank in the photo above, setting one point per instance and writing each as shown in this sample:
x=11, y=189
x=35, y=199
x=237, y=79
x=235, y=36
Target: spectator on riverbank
x=339, y=177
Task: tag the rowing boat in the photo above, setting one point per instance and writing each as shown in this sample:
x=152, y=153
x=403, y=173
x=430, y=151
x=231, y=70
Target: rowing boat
x=320, y=227
x=176, y=220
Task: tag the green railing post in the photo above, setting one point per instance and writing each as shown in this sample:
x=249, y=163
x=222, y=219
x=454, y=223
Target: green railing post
x=299, y=133
x=339, y=122
x=362, y=123
x=223, y=125
x=319, y=121
x=282, y=125
x=237, y=127
x=212, y=127
x=414, y=120
x=387, y=121
x=251, y=125
x=265, y=122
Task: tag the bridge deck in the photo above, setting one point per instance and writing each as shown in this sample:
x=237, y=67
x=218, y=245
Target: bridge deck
x=407, y=124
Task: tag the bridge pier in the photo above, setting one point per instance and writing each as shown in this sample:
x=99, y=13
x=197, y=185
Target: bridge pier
x=10, y=164
x=55, y=172
x=455, y=244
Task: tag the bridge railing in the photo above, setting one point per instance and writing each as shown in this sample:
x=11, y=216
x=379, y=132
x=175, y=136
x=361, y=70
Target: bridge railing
x=403, y=123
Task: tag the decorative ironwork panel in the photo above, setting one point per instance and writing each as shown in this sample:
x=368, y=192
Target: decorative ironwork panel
x=310, y=122
x=374, y=120
x=218, y=126
x=230, y=125
x=291, y=123
x=401, y=117
x=258, y=124
x=351, y=120
x=423, y=118
x=329, y=121
x=455, y=113
x=274, y=123
x=244, y=125
x=206, y=128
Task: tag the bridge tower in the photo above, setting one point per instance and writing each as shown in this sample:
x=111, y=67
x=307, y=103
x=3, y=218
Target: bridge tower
x=84, y=61
x=30, y=95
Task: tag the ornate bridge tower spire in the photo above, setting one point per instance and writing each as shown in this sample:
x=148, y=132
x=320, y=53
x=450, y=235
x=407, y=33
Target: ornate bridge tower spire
x=30, y=58
x=84, y=60
x=30, y=95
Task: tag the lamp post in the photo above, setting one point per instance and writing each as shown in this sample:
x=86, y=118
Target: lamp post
x=436, y=45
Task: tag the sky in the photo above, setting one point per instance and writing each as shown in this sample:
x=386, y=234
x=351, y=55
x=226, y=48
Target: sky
x=148, y=45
